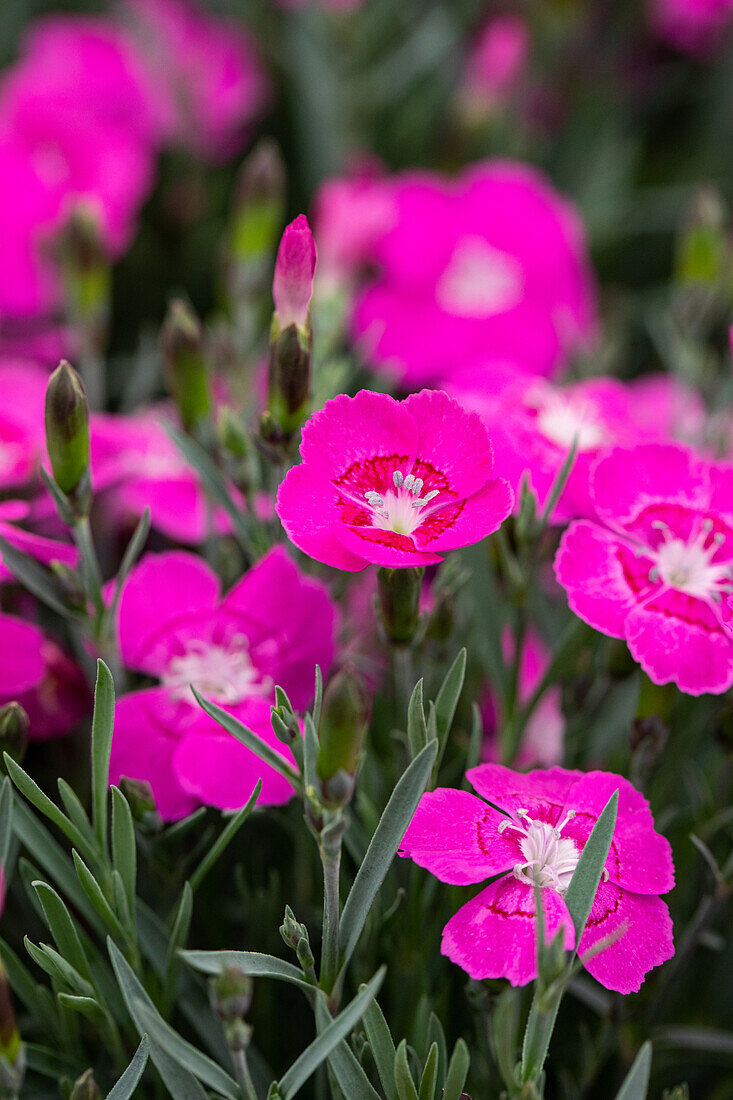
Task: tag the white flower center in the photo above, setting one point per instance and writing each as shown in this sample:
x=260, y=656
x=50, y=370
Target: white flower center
x=400, y=509
x=688, y=566
x=480, y=281
x=549, y=858
x=222, y=673
x=562, y=421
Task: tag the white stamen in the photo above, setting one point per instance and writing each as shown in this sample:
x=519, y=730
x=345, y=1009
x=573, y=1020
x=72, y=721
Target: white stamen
x=399, y=509
x=549, y=858
x=397, y=479
x=688, y=564
x=222, y=673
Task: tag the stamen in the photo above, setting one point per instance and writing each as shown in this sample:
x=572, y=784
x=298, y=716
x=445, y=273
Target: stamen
x=409, y=481
x=397, y=479
x=417, y=486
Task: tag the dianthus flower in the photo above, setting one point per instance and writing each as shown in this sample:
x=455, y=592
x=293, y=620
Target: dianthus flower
x=271, y=628
x=533, y=423
x=655, y=565
x=394, y=483
x=534, y=839
x=693, y=26
x=22, y=438
x=496, y=62
x=43, y=549
x=491, y=263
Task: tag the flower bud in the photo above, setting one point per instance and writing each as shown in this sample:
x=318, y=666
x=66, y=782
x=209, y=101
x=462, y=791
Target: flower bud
x=139, y=794
x=85, y=1087
x=185, y=365
x=14, y=726
x=231, y=993
x=231, y=433
x=289, y=384
x=292, y=285
x=67, y=431
x=399, y=602
x=259, y=203
x=343, y=726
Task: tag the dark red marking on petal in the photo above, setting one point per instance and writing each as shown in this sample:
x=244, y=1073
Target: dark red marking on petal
x=386, y=538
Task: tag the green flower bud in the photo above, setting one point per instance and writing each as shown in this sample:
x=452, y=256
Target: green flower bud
x=140, y=796
x=231, y=994
x=67, y=432
x=399, y=602
x=289, y=379
x=185, y=364
x=259, y=203
x=14, y=725
x=85, y=1087
x=344, y=724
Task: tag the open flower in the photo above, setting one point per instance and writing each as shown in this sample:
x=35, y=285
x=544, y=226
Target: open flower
x=656, y=565
x=534, y=838
x=394, y=483
x=491, y=263
x=272, y=627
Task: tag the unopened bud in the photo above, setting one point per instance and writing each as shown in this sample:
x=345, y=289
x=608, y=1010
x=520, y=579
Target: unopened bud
x=14, y=726
x=67, y=431
x=231, y=994
x=291, y=930
x=399, y=602
x=185, y=363
x=343, y=727
x=85, y=1087
x=140, y=796
x=259, y=203
x=289, y=383
x=305, y=954
x=231, y=433
x=292, y=286
x=702, y=246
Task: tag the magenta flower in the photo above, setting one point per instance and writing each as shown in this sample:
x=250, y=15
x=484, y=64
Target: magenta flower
x=394, y=483
x=492, y=263
x=693, y=26
x=496, y=62
x=272, y=627
x=534, y=838
x=36, y=673
x=292, y=285
x=533, y=424
x=43, y=549
x=22, y=438
x=204, y=69
x=655, y=565
x=351, y=215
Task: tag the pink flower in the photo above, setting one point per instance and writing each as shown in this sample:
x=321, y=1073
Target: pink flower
x=22, y=437
x=207, y=71
x=544, y=734
x=694, y=26
x=395, y=483
x=292, y=285
x=492, y=263
x=36, y=673
x=549, y=816
x=351, y=215
x=272, y=627
x=533, y=424
x=655, y=564
x=496, y=62
x=43, y=549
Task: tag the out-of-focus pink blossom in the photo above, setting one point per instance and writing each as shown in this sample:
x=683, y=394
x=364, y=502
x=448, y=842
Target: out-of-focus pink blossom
x=530, y=833
x=205, y=70
x=492, y=263
x=495, y=63
x=394, y=483
x=22, y=438
x=43, y=549
x=693, y=26
x=272, y=627
x=292, y=285
x=351, y=215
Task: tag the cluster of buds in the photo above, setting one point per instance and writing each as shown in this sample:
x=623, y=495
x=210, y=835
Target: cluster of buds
x=231, y=997
x=67, y=439
x=295, y=935
x=291, y=340
x=184, y=364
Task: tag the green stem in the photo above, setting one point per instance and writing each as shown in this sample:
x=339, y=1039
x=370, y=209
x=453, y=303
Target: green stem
x=244, y=1077
x=540, y=1026
x=90, y=571
x=330, y=848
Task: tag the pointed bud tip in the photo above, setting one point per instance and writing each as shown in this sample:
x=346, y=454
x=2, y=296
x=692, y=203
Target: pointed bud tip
x=67, y=427
x=295, y=267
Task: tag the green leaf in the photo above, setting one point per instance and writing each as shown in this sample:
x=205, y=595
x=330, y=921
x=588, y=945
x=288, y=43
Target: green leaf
x=329, y=1037
x=435, y=1034
x=37, y=579
x=57, y=967
x=397, y=815
x=310, y=755
x=93, y=891
x=587, y=875
x=708, y=1039
x=35, y=997
x=179, y=936
x=446, y=703
x=124, y=851
x=251, y=963
x=75, y=811
x=62, y=928
x=248, y=738
x=559, y=484
x=383, y=1048
x=186, y=1055
x=225, y=837
x=317, y=698
x=455, y=1078
x=178, y=1079
x=417, y=730
x=6, y=819
x=403, y=1078
x=85, y=1006
x=128, y=1082
x=102, y=728
x=636, y=1084
x=429, y=1077
x=132, y=552
x=51, y=1063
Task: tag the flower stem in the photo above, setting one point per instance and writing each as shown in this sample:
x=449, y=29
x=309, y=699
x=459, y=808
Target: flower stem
x=540, y=1026
x=244, y=1077
x=330, y=848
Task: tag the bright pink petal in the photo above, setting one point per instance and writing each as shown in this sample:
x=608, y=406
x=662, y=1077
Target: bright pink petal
x=589, y=566
x=456, y=837
x=161, y=592
x=669, y=649
x=628, y=479
x=542, y=790
x=385, y=548
x=22, y=666
x=640, y=858
x=351, y=430
x=306, y=505
x=39, y=547
x=289, y=621
x=469, y=521
x=494, y=935
x=644, y=927
x=143, y=746
x=217, y=769
x=452, y=440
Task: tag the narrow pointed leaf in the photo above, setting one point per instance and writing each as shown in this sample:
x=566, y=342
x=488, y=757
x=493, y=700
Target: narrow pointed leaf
x=351, y=1078
x=6, y=819
x=249, y=738
x=383, y=1048
x=455, y=1078
x=429, y=1079
x=251, y=963
x=417, y=730
x=587, y=875
x=382, y=849
x=636, y=1084
x=128, y=1082
x=37, y=579
x=227, y=834
x=132, y=553
x=30, y=790
x=124, y=851
x=93, y=891
x=62, y=928
x=102, y=728
x=74, y=810
x=186, y=1055
x=403, y=1078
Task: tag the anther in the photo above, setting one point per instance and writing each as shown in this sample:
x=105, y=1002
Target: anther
x=397, y=478
x=409, y=481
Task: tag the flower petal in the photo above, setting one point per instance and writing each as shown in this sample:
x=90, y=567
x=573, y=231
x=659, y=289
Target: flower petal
x=644, y=927
x=669, y=649
x=589, y=566
x=469, y=521
x=306, y=505
x=22, y=666
x=628, y=479
x=452, y=440
x=543, y=791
